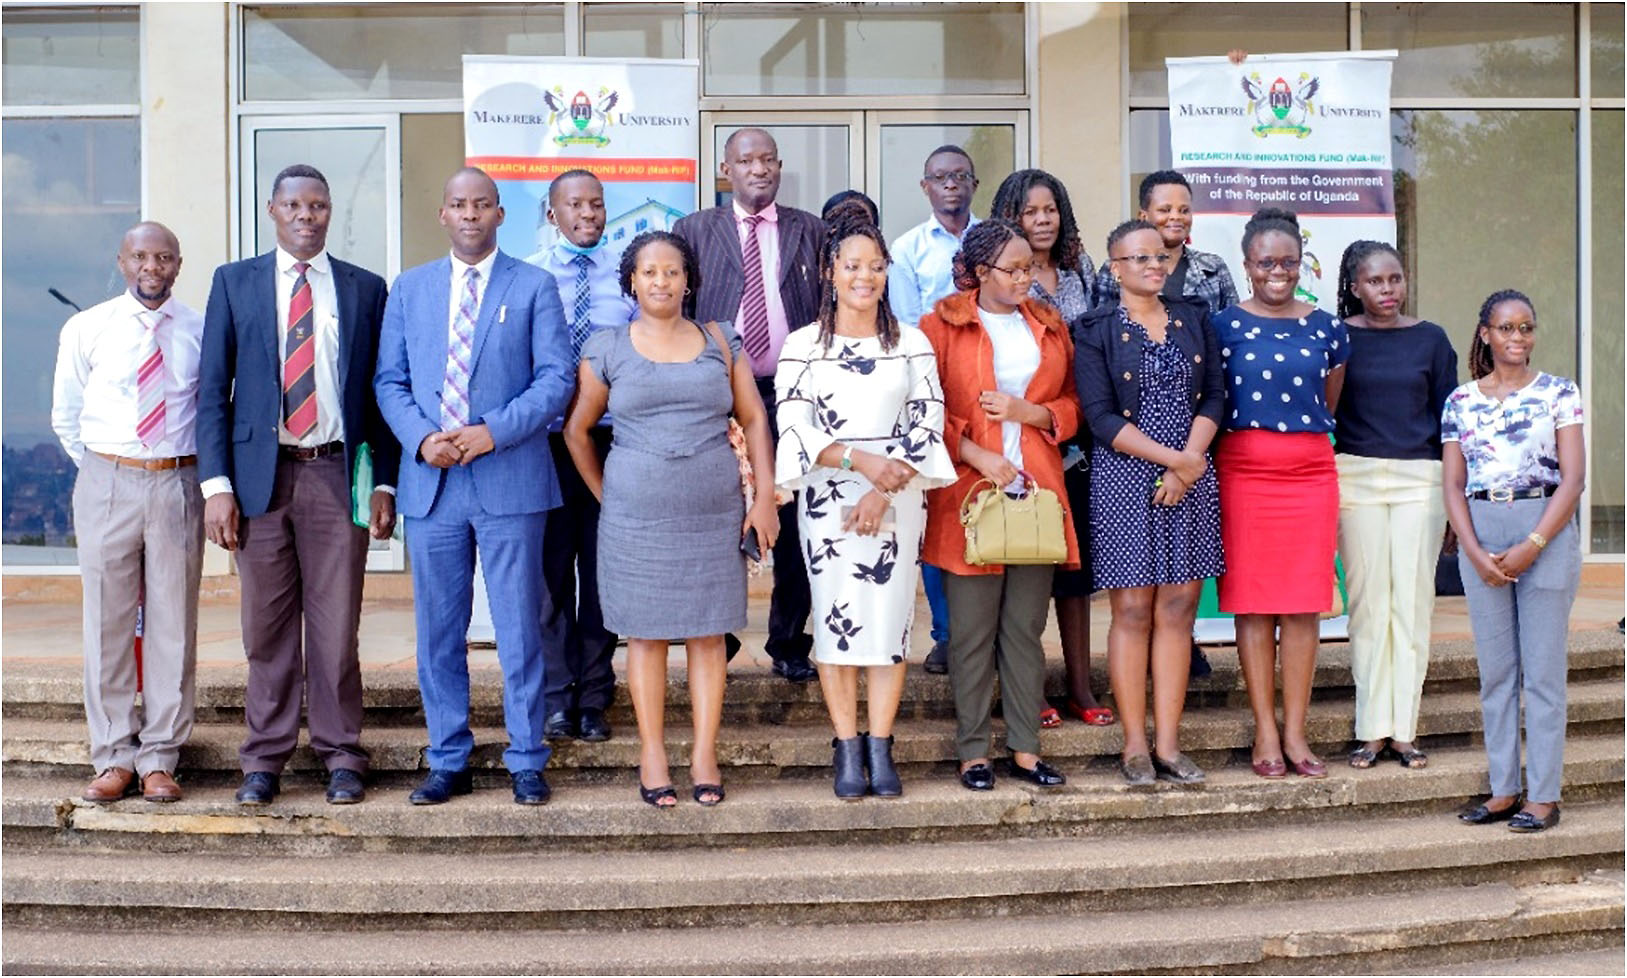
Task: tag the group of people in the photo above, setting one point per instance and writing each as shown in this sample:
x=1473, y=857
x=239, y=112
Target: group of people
x=619, y=434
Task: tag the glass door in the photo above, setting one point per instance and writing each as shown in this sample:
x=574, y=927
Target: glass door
x=821, y=153
x=899, y=143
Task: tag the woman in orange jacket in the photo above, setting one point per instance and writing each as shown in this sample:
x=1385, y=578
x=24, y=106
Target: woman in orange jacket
x=1006, y=363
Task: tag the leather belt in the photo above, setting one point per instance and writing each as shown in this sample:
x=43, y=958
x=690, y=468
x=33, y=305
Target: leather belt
x=150, y=464
x=294, y=453
x=1509, y=495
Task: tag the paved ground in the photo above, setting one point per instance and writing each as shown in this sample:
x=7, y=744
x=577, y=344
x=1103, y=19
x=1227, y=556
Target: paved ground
x=39, y=620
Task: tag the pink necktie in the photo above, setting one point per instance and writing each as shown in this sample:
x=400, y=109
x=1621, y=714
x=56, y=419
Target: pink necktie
x=150, y=410
x=753, y=300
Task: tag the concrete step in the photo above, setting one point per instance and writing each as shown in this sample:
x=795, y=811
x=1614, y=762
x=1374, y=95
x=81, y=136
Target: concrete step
x=1322, y=936
x=859, y=881
x=1210, y=735
x=46, y=810
x=54, y=689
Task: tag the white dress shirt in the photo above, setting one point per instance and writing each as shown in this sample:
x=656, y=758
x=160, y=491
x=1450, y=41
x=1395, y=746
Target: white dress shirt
x=93, y=402
x=460, y=269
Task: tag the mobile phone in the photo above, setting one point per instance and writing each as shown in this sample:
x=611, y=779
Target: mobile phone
x=750, y=546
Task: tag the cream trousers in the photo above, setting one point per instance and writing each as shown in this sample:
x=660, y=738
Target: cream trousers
x=1391, y=518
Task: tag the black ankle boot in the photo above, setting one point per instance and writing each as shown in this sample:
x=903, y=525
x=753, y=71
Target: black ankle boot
x=878, y=756
x=849, y=764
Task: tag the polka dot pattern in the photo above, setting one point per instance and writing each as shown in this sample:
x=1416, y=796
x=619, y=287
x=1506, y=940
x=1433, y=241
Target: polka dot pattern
x=1277, y=368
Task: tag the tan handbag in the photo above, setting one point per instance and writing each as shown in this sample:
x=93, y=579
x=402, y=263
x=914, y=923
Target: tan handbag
x=1002, y=529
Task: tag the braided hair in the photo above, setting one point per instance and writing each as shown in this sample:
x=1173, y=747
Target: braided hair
x=844, y=224
x=692, y=265
x=1480, y=362
x=1359, y=251
x=1272, y=219
x=1128, y=227
x=982, y=246
x=1012, y=197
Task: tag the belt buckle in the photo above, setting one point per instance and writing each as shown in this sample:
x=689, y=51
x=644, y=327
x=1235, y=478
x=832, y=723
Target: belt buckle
x=1501, y=495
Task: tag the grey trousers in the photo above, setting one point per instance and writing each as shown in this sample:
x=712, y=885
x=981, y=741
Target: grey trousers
x=1520, y=638
x=138, y=529
x=1011, y=607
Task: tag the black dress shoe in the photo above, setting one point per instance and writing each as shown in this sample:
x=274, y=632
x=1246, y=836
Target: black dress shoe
x=530, y=788
x=345, y=787
x=1527, y=822
x=1481, y=815
x=592, y=726
x=937, y=661
x=560, y=725
x=440, y=786
x=795, y=670
x=978, y=777
x=1041, y=774
x=259, y=788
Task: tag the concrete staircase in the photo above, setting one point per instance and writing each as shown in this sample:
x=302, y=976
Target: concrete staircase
x=1364, y=872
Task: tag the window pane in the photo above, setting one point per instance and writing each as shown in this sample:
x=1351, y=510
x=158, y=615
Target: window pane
x=866, y=49
x=815, y=162
x=633, y=30
x=80, y=56
x=1604, y=401
x=1605, y=24
x=1513, y=49
x=1469, y=224
x=431, y=150
x=385, y=51
x=75, y=186
x=904, y=149
x=1180, y=30
x=352, y=160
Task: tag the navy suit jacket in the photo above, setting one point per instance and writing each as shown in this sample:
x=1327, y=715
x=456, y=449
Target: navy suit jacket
x=712, y=234
x=240, y=377
x=520, y=380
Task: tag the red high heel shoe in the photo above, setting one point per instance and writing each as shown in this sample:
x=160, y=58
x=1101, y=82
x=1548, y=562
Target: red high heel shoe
x=1098, y=716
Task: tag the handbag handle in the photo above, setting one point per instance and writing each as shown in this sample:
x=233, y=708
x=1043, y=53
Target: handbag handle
x=712, y=330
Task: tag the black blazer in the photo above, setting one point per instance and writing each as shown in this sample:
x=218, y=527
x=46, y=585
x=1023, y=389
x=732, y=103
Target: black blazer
x=1107, y=366
x=240, y=377
x=712, y=234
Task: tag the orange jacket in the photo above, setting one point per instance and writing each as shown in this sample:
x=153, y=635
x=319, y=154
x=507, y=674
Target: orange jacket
x=966, y=368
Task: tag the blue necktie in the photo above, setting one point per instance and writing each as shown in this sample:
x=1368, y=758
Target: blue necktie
x=581, y=325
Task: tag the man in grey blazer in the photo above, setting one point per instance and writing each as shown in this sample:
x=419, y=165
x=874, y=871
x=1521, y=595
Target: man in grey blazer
x=759, y=265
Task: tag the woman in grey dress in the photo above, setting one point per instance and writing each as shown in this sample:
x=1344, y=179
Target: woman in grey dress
x=672, y=517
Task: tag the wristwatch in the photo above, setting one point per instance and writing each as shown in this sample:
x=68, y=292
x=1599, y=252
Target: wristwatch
x=847, y=459
x=1537, y=538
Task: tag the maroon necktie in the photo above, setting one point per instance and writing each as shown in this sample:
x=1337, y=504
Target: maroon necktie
x=753, y=302
x=299, y=359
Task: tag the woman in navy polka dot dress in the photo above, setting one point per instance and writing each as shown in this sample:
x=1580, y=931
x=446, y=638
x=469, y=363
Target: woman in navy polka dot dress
x=1279, y=488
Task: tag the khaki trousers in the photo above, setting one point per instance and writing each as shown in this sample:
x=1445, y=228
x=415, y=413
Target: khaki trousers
x=1011, y=608
x=1391, y=519
x=137, y=528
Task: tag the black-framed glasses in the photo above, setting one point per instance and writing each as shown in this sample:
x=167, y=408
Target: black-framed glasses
x=1141, y=261
x=1268, y=264
x=957, y=176
x=1507, y=330
x=1022, y=272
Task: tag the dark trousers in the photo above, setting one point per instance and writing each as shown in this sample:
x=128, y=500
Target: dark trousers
x=576, y=647
x=301, y=566
x=791, y=602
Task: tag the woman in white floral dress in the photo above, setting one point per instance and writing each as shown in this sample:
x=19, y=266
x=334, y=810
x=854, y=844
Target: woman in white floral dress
x=861, y=434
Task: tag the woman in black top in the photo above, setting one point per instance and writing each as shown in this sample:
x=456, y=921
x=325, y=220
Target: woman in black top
x=1391, y=515
x=1152, y=392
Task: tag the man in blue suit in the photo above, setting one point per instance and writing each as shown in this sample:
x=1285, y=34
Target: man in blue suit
x=285, y=403
x=472, y=367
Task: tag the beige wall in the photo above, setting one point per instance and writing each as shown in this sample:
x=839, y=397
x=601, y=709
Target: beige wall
x=1080, y=120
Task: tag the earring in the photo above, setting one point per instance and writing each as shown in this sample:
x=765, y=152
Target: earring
x=687, y=290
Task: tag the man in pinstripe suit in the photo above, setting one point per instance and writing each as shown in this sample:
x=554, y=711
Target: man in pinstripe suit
x=759, y=264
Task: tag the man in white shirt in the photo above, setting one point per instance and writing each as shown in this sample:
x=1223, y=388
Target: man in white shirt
x=124, y=405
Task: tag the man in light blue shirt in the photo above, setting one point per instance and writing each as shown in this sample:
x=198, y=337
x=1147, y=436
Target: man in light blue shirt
x=577, y=648
x=921, y=274
x=923, y=256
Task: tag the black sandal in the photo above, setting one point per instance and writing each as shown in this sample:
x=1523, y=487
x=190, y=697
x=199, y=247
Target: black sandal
x=1365, y=757
x=1412, y=758
x=701, y=790
x=655, y=796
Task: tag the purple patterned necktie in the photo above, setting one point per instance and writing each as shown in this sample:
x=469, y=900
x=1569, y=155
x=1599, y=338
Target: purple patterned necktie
x=753, y=301
x=459, y=354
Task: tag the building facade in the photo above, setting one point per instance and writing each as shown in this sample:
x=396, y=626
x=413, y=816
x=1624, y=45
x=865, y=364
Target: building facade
x=1507, y=122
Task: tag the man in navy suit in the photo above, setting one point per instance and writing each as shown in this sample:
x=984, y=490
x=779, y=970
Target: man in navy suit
x=473, y=365
x=285, y=402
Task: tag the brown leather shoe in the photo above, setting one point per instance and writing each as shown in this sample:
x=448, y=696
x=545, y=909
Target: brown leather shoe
x=159, y=786
x=111, y=785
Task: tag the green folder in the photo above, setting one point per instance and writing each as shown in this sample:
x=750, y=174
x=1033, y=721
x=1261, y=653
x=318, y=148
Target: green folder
x=361, y=487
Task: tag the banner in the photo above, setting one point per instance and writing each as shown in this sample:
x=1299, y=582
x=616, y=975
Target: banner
x=1305, y=132
x=635, y=123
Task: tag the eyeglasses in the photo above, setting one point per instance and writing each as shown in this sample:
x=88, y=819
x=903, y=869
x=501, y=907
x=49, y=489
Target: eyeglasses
x=1268, y=264
x=1507, y=330
x=1022, y=272
x=958, y=176
x=1142, y=261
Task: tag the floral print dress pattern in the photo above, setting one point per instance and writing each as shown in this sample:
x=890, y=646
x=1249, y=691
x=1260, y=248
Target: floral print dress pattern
x=1510, y=444
x=882, y=401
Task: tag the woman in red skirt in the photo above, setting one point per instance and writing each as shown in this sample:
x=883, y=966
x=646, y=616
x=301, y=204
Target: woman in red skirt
x=1279, y=490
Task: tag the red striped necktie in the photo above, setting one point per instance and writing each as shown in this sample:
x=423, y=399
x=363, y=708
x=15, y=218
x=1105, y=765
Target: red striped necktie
x=151, y=413
x=753, y=300
x=299, y=359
